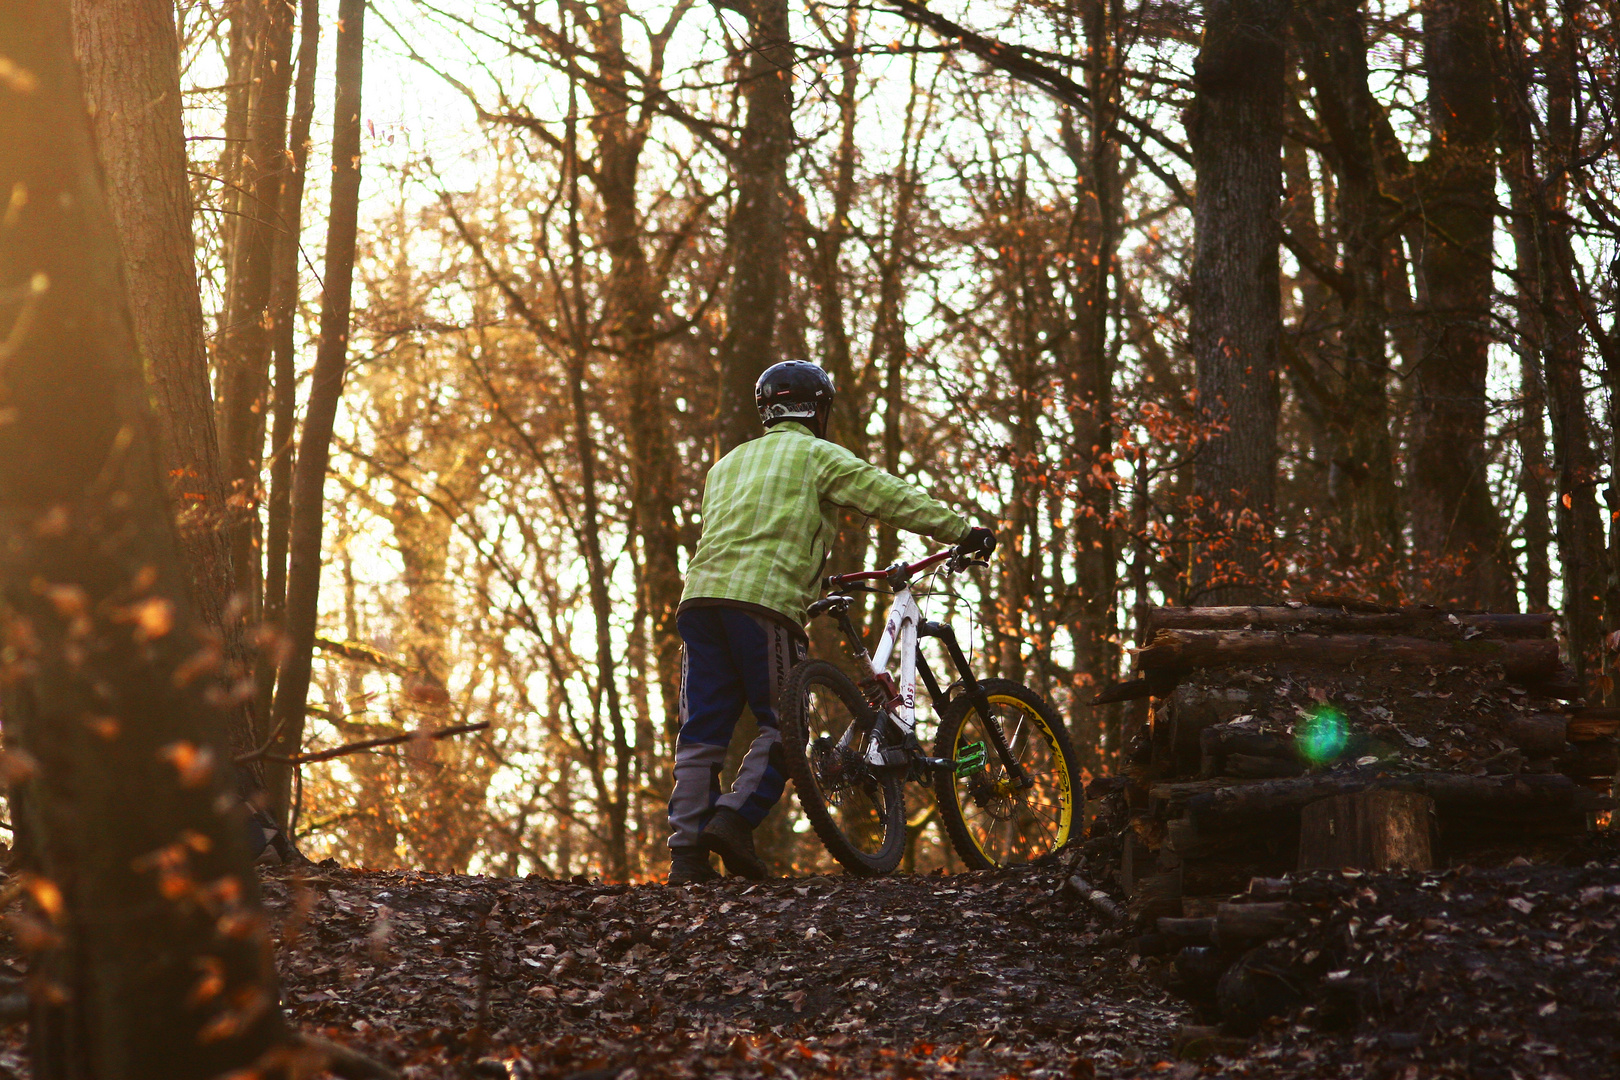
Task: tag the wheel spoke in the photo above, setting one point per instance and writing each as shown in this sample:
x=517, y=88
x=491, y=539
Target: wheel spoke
x=1009, y=822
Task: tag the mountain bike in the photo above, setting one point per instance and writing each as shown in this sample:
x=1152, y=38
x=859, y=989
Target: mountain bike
x=1002, y=769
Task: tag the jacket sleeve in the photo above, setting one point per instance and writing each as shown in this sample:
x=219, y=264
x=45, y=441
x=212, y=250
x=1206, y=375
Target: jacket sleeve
x=847, y=481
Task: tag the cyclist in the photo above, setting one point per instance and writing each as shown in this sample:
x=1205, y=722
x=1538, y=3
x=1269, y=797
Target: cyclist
x=769, y=514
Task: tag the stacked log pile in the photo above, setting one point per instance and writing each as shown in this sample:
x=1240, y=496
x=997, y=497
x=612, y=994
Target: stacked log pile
x=1309, y=735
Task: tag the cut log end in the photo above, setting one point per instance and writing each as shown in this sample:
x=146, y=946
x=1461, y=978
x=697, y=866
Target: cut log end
x=1368, y=830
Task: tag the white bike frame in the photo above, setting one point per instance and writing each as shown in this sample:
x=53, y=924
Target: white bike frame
x=900, y=635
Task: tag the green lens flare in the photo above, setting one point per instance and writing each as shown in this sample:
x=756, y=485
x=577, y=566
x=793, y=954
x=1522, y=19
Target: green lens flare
x=1322, y=736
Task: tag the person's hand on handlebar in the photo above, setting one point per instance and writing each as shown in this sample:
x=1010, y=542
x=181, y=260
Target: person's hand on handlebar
x=977, y=544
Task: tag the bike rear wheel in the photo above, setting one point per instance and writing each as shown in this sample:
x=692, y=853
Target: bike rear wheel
x=827, y=732
x=990, y=819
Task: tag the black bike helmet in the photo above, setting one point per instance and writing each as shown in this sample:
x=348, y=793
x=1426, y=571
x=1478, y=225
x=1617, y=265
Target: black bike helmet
x=795, y=390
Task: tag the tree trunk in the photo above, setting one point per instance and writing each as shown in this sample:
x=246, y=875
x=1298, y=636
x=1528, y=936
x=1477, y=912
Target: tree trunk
x=635, y=302
x=1554, y=331
x=283, y=314
x=130, y=65
x=607, y=669
x=1534, y=471
x=1090, y=387
x=243, y=349
x=757, y=231
x=1452, y=512
x=1236, y=131
x=143, y=875
x=325, y=390
x=1362, y=475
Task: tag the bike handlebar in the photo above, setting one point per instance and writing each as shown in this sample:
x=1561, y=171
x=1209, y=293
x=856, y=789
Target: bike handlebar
x=901, y=570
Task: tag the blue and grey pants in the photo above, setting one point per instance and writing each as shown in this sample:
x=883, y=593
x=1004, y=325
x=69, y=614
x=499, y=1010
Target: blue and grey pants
x=730, y=658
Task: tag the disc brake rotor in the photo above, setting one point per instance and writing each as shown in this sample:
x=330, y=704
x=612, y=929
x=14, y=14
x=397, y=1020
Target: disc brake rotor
x=838, y=769
x=990, y=796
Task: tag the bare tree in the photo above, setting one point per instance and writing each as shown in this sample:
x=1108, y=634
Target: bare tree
x=1235, y=313
x=155, y=948
x=129, y=57
x=758, y=217
x=325, y=392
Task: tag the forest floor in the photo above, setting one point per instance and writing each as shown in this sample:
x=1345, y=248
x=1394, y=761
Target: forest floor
x=1501, y=974
x=982, y=975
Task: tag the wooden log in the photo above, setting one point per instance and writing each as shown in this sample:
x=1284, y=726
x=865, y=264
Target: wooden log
x=1188, y=931
x=1367, y=830
x=1222, y=739
x=1592, y=758
x=1094, y=897
x=1133, y=690
x=1156, y=897
x=1213, y=800
x=1242, y=924
x=1256, y=767
x=1520, y=659
x=1191, y=708
x=1539, y=735
x=1586, y=728
x=1456, y=624
x=1269, y=888
x=1562, y=685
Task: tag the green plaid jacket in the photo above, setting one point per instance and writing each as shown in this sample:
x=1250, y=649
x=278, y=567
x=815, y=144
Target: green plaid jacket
x=770, y=513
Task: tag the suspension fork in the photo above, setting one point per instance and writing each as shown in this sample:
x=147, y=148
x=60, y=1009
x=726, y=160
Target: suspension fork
x=975, y=695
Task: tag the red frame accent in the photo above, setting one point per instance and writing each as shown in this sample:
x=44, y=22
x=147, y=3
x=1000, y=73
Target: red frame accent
x=883, y=575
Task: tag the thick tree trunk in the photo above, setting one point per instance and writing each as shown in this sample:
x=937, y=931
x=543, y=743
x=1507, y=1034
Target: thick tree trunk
x=325, y=391
x=243, y=348
x=1236, y=130
x=1362, y=477
x=757, y=231
x=283, y=314
x=130, y=64
x=1453, y=515
x=144, y=877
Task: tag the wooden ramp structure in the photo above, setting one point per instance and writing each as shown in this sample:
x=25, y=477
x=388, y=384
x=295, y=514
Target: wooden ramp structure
x=1317, y=735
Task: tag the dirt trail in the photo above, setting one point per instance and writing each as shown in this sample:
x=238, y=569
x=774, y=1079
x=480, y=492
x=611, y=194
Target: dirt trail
x=978, y=975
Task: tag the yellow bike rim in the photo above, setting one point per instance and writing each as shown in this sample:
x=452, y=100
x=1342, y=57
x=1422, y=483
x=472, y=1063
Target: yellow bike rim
x=1007, y=824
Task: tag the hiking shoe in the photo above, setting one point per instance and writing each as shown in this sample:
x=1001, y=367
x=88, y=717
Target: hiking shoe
x=731, y=838
x=690, y=866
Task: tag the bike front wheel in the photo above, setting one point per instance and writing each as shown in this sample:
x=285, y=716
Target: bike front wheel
x=992, y=820
x=828, y=731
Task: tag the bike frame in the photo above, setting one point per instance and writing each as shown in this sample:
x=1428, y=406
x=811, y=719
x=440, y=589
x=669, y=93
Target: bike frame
x=903, y=631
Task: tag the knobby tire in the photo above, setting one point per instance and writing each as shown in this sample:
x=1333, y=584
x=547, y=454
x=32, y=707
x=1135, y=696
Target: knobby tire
x=990, y=822
x=820, y=701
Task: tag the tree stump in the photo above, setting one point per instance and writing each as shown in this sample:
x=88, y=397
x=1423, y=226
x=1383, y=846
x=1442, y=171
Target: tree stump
x=1367, y=830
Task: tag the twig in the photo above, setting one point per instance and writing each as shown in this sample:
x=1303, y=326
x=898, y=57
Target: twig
x=364, y=744
x=364, y=654
x=1095, y=897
